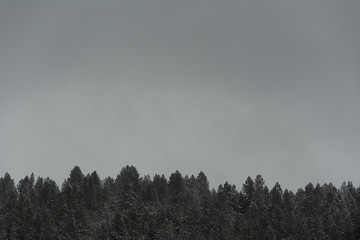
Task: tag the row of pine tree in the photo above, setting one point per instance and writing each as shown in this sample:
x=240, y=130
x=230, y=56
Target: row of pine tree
x=134, y=207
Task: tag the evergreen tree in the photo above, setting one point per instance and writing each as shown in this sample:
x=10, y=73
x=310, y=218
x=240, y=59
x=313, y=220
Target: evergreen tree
x=8, y=205
x=276, y=214
x=161, y=188
x=131, y=207
x=287, y=207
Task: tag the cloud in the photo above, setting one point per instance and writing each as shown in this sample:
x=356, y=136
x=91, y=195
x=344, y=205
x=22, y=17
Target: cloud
x=232, y=89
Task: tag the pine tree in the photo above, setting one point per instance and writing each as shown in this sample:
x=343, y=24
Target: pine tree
x=8, y=204
x=161, y=188
x=131, y=207
x=287, y=207
x=275, y=212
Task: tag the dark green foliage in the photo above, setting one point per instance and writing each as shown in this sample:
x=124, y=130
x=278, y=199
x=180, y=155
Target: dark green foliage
x=134, y=207
x=8, y=207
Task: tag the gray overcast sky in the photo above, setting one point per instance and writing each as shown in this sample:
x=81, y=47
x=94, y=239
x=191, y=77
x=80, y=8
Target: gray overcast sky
x=232, y=88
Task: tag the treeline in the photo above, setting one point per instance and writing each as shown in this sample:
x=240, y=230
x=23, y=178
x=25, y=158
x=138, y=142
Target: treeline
x=134, y=207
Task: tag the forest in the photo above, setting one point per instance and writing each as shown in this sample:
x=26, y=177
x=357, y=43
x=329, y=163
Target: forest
x=181, y=207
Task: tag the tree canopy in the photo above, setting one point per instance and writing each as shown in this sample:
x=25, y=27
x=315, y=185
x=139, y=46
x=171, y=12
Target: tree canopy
x=181, y=207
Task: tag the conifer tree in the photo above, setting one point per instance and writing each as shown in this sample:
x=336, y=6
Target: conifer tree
x=134, y=207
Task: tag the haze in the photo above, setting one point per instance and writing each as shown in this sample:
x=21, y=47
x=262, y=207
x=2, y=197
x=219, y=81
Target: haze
x=230, y=88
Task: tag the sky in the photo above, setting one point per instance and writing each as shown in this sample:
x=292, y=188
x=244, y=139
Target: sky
x=230, y=88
